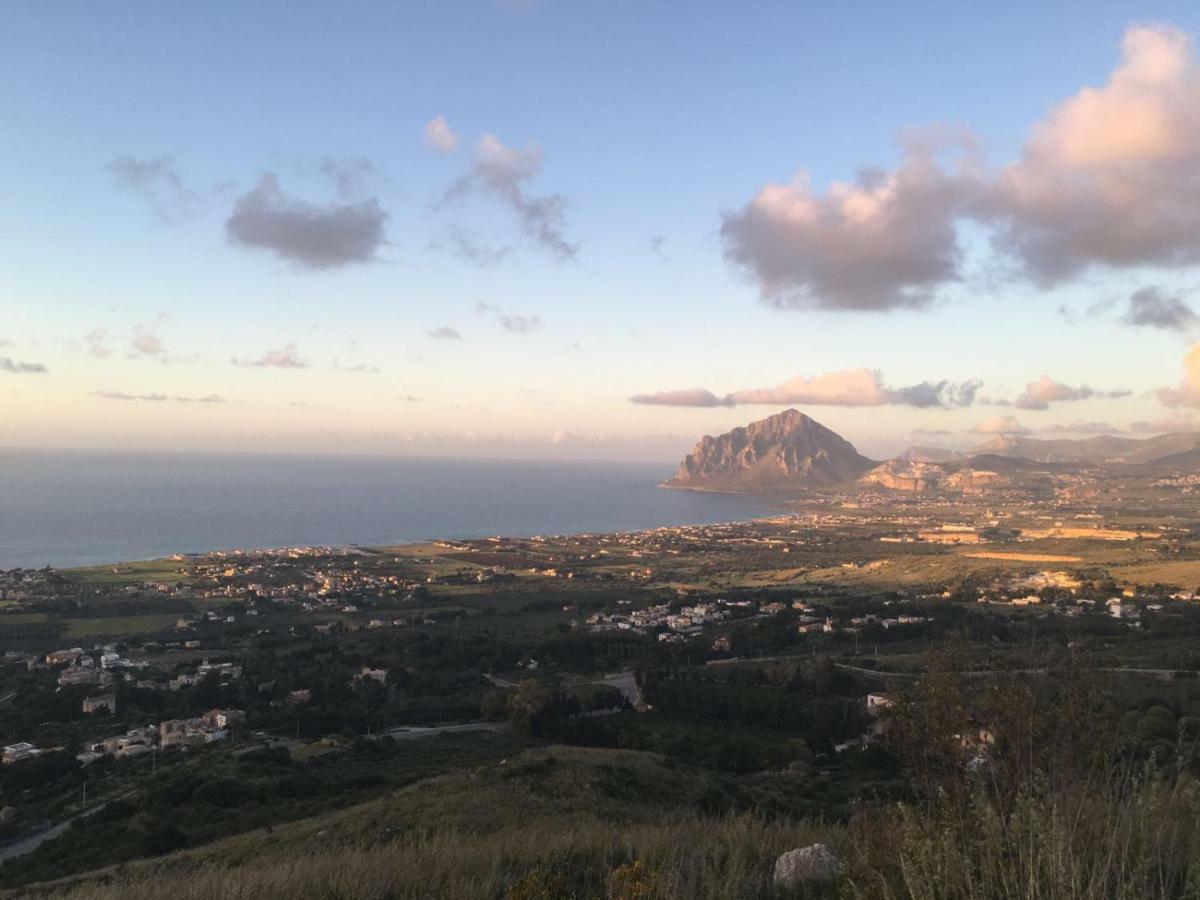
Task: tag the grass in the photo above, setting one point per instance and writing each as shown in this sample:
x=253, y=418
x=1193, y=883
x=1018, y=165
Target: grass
x=119, y=625
x=165, y=570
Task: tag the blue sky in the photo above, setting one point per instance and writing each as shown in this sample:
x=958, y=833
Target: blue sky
x=649, y=121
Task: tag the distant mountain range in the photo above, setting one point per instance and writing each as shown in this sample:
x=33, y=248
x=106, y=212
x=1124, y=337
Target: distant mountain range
x=791, y=452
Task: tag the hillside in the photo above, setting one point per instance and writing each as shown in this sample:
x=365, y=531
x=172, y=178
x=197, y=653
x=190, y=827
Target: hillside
x=476, y=832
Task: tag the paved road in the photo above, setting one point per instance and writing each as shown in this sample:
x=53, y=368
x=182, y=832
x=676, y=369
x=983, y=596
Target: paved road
x=31, y=843
x=626, y=683
x=406, y=732
x=500, y=682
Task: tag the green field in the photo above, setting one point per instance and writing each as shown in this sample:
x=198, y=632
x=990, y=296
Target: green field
x=119, y=625
x=165, y=570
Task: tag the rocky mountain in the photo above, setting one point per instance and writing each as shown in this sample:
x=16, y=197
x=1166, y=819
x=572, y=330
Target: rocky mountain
x=902, y=474
x=784, y=452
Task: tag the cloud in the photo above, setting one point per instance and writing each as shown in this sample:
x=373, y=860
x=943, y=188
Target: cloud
x=445, y=333
x=1188, y=392
x=309, y=235
x=350, y=177
x=686, y=397
x=481, y=308
x=884, y=242
x=359, y=369
x=658, y=245
x=146, y=342
x=469, y=248
x=503, y=173
x=285, y=358
x=157, y=398
x=1041, y=393
x=849, y=387
x=1151, y=307
x=1167, y=425
x=1080, y=428
x=520, y=324
x=16, y=367
x=1110, y=178
x=159, y=184
x=1000, y=425
x=409, y=398
x=439, y=136
x=97, y=343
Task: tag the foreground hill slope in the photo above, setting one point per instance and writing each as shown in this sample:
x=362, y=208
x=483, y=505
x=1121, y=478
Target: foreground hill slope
x=785, y=452
x=477, y=833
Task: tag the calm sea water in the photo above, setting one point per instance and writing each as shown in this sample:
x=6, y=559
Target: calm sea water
x=66, y=509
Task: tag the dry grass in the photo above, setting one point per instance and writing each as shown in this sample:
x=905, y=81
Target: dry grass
x=691, y=856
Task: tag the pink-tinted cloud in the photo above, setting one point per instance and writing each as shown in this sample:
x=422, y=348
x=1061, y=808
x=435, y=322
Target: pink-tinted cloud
x=287, y=357
x=1109, y=178
x=1041, y=393
x=849, y=387
x=1188, y=392
x=439, y=136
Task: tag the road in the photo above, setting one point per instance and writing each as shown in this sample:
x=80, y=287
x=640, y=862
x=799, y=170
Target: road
x=406, y=732
x=626, y=683
x=31, y=843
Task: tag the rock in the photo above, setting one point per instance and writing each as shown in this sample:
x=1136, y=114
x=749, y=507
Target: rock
x=784, y=452
x=806, y=864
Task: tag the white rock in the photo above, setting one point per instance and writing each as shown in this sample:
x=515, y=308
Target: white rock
x=813, y=863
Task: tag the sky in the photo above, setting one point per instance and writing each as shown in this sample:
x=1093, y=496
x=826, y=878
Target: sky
x=595, y=229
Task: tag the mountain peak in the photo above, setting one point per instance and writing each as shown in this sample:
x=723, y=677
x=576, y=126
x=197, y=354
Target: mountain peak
x=785, y=451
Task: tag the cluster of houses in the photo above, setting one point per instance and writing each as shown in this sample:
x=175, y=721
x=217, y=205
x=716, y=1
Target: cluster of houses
x=212, y=726
x=689, y=620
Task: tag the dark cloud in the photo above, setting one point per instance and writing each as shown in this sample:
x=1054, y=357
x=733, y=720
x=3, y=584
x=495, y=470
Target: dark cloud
x=16, y=367
x=503, y=173
x=309, y=235
x=159, y=184
x=1152, y=307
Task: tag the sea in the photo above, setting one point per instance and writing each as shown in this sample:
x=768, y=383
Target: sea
x=90, y=508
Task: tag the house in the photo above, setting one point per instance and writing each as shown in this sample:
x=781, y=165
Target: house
x=303, y=695
x=92, y=705
x=369, y=674
x=877, y=702
x=222, y=718
x=17, y=752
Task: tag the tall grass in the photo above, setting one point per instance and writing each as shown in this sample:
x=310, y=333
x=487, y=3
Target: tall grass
x=689, y=857
x=1138, y=839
